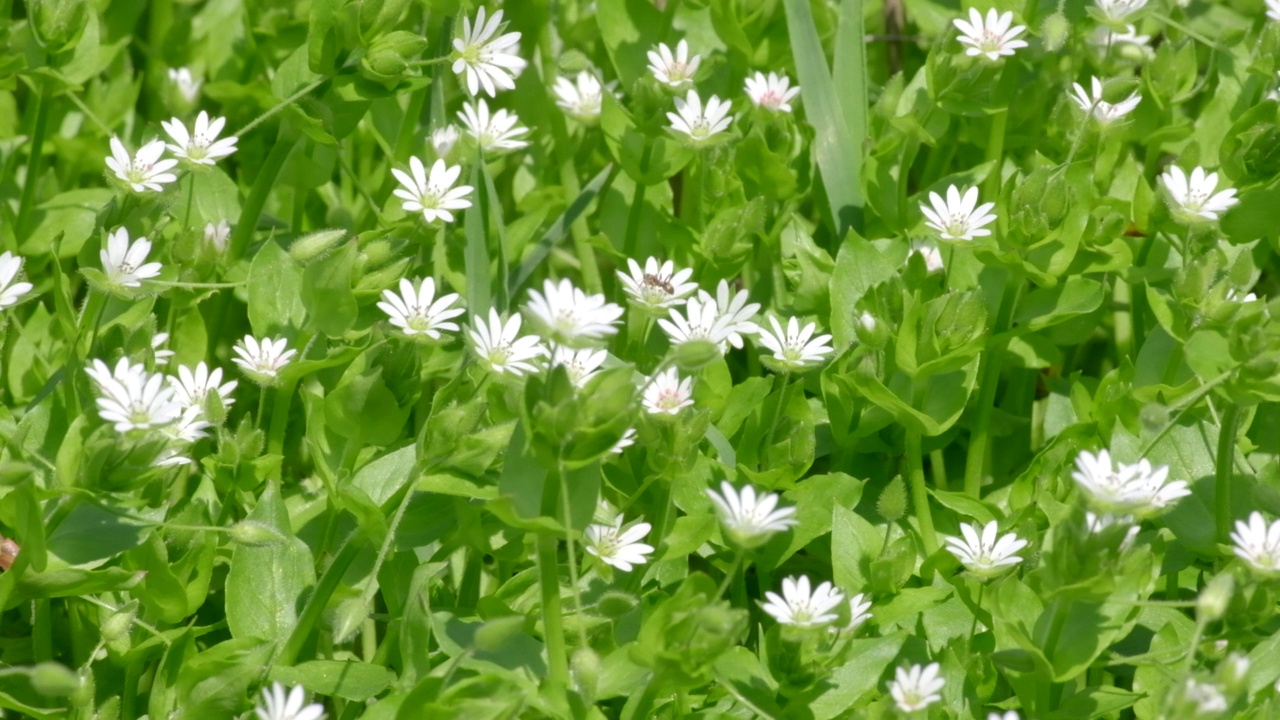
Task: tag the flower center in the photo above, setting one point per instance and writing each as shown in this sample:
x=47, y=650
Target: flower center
x=991, y=41
x=670, y=399
x=958, y=224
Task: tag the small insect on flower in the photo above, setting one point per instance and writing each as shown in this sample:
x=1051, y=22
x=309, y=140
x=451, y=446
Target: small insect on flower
x=201, y=145
x=959, y=217
x=182, y=79
x=496, y=132
x=124, y=263
x=1138, y=489
x=803, y=606
x=581, y=97
x=772, y=91
x=580, y=365
x=11, y=292
x=618, y=546
x=667, y=394
x=277, y=705
x=143, y=171
x=656, y=286
x=985, y=555
x=1103, y=111
x=571, y=315
x=916, y=688
x=700, y=123
x=795, y=348
x=432, y=195
x=673, y=69
x=262, y=361
x=485, y=60
x=737, y=311
x=417, y=311
x=1258, y=543
x=1117, y=11
x=500, y=348
x=132, y=398
x=991, y=38
x=1194, y=198
x=192, y=386
x=749, y=519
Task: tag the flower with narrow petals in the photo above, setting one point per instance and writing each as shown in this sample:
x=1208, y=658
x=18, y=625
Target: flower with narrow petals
x=1106, y=37
x=803, y=606
x=1117, y=11
x=158, y=350
x=188, y=87
x=749, y=519
x=916, y=688
x=188, y=428
x=262, y=361
x=580, y=365
x=986, y=555
x=1273, y=10
x=571, y=315
x=497, y=131
x=656, y=287
x=201, y=145
x=1103, y=111
x=276, y=705
x=485, y=60
x=859, y=612
x=796, y=348
x=443, y=139
x=667, y=394
x=1194, y=197
x=500, y=348
x=931, y=255
x=124, y=263
x=673, y=69
x=1008, y=715
x=772, y=91
x=700, y=123
x=1236, y=296
x=993, y=37
x=1206, y=697
x=215, y=236
x=1138, y=489
x=1258, y=543
x=132, y=398
x=416, y=311
x=143, y=171
x=580, y=97
x=700, y=322
x=10, y=291
x=192, y=386
x=432, y=195
x=617, y=545
x=171, y=457
x=739, y=313
x=627, y=440
x=1098, y=524
x=959, y=217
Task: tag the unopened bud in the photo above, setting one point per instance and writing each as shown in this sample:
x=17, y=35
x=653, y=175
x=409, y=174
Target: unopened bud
x=316, y=245
x=585, y=669
x=1054, y=31
x=255, y=534
x=50, y=678
x=1213, y=600
x=696, y=354
x=443, y=139
x=496, y=633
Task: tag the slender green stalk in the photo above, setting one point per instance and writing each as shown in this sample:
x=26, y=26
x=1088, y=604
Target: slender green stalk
x=691, y=191
x=1222, y=470
x=730, y=573
x=989, y=379
x=552, y=617
x=919, y=494
x=636, y=213
x=280, y=416
x=27, y=204
x=995, y=153
x=295, y=97
x=257, y=199
x=329, y=581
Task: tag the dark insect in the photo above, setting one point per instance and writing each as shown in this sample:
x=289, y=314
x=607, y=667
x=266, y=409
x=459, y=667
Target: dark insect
x=659, y=281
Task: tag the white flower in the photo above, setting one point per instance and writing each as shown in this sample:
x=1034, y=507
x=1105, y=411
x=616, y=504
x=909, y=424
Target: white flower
x=216, y=235
x=802, y=606
x=144, y=171
x=10, y=291
x=701, y=322
x=416, y=311
x=618, y=546
x=931, y=255
x=186, y=84
x=985, y=555
x=772, y=91
x=443, y=139
x=749, y=519
x=170, y=457
x=1275, y=94
x=859, y=608
x=131, y=398
x=193, y=385
x=124, y=263
x=656, y=286
x=1137, y=489
x=1195, y=198
x=1258, y=543
x=1273, y=10
x=1104, y=111
x=1096, y=524
x=500, y=348
x=261, y=361
x=990, y=38
x=434, y=196
x=158, y=350
x=958, y=217
x=1119, y=10
x=580, y=98
x=734, y=307
x=1205, y=696
x=486, y=60
x=275, y=705
x=570, y=314
x=699, y=123
x=627, y=440
x=673, y=69
x=1106, y=37
x=916, y=688
x=189, y=427
x=497, y=131
x=667, y=394
x=796, y=348
x=1233, y=295
x=200, y=146
x=581, y=365
x=1008, y=715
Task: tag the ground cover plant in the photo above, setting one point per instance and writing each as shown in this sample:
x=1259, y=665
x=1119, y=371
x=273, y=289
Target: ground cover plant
x=639, y=358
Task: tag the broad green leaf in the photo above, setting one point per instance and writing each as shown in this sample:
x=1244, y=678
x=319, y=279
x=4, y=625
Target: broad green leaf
x=267, y=585
x=275, y=292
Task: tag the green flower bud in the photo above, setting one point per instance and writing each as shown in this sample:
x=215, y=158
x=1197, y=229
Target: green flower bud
x=1054, y=31
x=496, y=633
x=59, y=23
x=49, y=678
x=1215, y=597
x=696, y=354
x=316, y=245
x=387, y=60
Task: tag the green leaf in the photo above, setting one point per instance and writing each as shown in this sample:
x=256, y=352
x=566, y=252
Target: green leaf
x=275, y=292
x=629, y=28
x=89, y=536
x=326, y=292
x=267, y=585
x=860, y=266
x=869, y=659
x=349, y=680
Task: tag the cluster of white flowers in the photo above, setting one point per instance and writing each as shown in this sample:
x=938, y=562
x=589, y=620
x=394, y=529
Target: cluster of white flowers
x=1137, y=489
x=147, y=169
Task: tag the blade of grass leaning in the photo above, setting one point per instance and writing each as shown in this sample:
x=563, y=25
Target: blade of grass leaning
x=476, y=255
x=849, y=73
x=838, y=152
x=493, y=211
x=560, y=228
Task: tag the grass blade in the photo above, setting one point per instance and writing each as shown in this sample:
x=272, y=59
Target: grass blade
x=560, y=228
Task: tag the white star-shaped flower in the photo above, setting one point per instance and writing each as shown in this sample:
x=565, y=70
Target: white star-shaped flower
x=1138, y=489
x=959, y=217
x=496, y=132
x=571, y=315
x=10, y=291
x=277, y=705
x=1273, y=10
x=581, y=97
x=991, y=38
x=700, y=123
x=1194, y=197
x=803, y=606
x=124, y=263
x=143, y=171
x=749, y=519
x=192, y=386
x=736, y=309
x=1258, y=543
x=500, y=348
x=772, y=91
x=701, y=321
x=1103, y=111
x=417, y=311
x=485, y=60
x=182, y=79
x=617, y=545
x=432, y=195
x=1118, y=11
x=580, y=365
x=673, y=69
x=263, y=360
x=916, y=688
x=132, y=398
x=443, y=139
x=859, y=613
x=201, y=145
x=667, y=394
x=795, y=348
x=987, y=554
x=656, y=287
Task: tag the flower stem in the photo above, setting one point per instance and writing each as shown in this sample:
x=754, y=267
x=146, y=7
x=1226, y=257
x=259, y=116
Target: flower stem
x=28, y=201
x=636, y=212
x=1222, y=470
x=919, y=494
x=552, y=620
x=280, y=417
x=729, y=574
x=257, y=199
x=987, y=384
